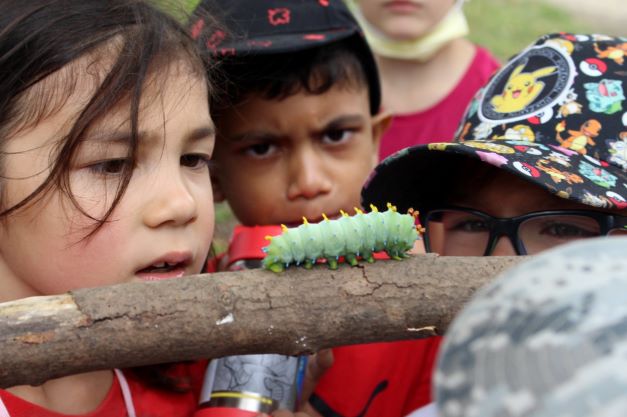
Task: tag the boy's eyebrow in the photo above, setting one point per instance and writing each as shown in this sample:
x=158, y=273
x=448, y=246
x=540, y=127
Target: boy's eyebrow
x=342, y=121
x=337, y=123
x=252, y=136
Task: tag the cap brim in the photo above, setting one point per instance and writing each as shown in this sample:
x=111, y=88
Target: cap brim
x=419, y=176
x=287, y=42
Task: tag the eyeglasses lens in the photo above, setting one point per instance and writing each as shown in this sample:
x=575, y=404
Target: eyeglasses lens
x=453, y=232
x=545, y=232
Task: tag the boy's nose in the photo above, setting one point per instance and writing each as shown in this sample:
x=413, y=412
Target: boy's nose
x=170, y=202
x=307, y=177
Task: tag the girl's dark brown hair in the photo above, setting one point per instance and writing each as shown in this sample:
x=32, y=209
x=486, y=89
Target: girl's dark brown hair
x=38, y=38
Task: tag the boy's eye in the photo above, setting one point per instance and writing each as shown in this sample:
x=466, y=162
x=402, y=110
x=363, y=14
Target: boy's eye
x=337, y=136
x=193, y=160
x=260, y=149
x=110, y=166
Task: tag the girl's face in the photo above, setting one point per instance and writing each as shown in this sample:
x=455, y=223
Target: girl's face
x=161, y=228
x=405, y=19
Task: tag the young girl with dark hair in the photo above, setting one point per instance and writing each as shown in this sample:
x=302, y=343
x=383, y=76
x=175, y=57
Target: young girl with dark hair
x=105, y=136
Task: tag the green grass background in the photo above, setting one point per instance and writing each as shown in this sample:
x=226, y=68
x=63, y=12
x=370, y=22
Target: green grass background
x=507, y=26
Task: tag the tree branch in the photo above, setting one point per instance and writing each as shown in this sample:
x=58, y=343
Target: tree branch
x=240, y=312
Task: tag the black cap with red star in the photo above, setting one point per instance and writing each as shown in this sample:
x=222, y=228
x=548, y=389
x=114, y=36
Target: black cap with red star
x=266, y=27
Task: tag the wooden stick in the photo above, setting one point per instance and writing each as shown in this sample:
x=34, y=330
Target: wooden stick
x=252, y=311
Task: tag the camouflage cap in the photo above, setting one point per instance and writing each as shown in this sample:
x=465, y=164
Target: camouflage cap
x=547, y=338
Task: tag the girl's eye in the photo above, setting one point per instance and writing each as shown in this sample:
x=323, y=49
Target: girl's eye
x=194, y=160
x=337, y=136
x=263, y=149
x=110, y=166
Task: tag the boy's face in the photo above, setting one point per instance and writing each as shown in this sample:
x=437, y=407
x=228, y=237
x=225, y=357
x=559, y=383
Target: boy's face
x=279, y=160
x=406, y=19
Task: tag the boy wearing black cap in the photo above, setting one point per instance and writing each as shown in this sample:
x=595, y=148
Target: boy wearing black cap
x=298, y=129
x=540, y=158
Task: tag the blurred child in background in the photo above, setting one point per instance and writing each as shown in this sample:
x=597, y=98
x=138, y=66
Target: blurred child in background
x=429, y=70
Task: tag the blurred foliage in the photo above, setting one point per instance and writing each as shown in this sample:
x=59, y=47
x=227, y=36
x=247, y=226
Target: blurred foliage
x=508, y=26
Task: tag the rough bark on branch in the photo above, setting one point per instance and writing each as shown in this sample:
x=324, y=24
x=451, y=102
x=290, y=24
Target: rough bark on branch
x=241, y=312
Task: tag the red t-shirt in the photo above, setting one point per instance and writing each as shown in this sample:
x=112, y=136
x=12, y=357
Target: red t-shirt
x=439, y=123
x=378, y=379
x=148, y=402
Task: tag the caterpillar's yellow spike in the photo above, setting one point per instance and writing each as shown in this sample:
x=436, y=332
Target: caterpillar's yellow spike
x=268, y=237
x=324, y=216
x=305, y=220
x=343, y=213
x=391, y=207
x=420, y=229
x=284, y=228
x=358, y=211
x=374, y=208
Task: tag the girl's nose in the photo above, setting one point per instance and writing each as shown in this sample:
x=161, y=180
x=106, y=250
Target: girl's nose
x=170, y=203
x=307, y=176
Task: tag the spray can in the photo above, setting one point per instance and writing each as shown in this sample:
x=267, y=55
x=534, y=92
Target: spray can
x=246, y=385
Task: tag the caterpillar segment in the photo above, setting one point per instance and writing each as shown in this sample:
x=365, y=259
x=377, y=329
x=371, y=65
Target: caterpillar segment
x=352, y=237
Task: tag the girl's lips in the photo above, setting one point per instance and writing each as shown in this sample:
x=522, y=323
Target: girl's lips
x=177, y=272
x=171, y=265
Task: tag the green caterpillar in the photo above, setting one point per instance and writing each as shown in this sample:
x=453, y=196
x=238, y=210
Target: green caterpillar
x=354, y=236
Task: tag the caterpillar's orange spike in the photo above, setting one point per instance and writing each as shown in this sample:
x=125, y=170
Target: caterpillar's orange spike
x=324, y=216
x=343, y=213
x=374, y=208
x=413, y=213
x=284, y=228
x=305, y=220
x=358, y=211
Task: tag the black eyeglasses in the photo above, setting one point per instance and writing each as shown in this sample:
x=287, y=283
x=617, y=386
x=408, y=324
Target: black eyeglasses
x=466, y=232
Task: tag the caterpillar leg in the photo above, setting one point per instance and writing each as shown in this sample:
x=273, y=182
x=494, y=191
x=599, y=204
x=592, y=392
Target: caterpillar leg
x=276, y=267
x=351, y=260
x=308, y=264
x=332, y=263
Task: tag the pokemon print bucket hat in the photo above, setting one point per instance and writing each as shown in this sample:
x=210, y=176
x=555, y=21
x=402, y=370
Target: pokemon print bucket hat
x=264, y=27
x=555, y=115
x=547, y=338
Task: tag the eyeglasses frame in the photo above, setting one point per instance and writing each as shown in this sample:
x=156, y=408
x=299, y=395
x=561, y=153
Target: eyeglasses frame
x=508, y=226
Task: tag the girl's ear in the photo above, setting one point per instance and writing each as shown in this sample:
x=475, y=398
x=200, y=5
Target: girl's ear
x=380, y=123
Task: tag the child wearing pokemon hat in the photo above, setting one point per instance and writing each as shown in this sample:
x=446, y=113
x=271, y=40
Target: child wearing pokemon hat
x=539, y=160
